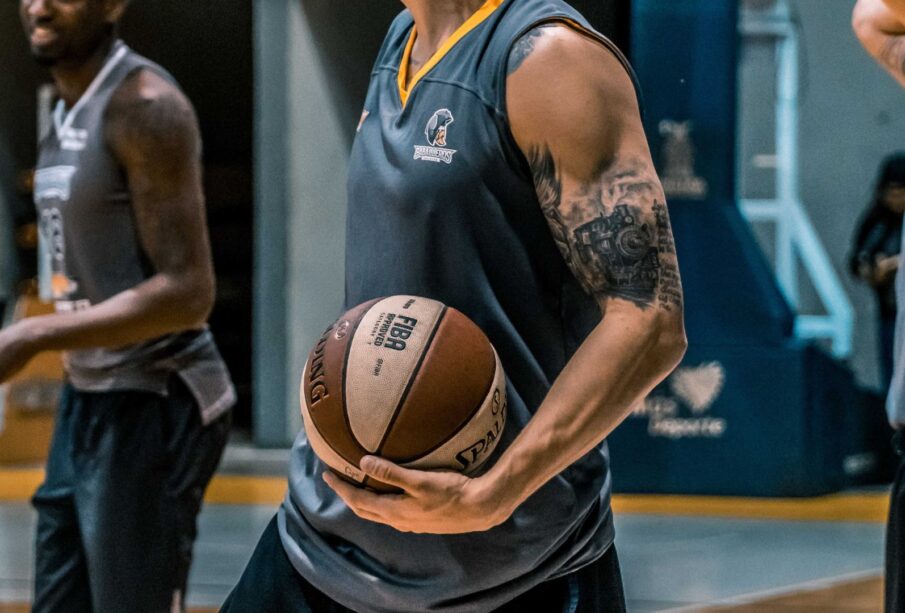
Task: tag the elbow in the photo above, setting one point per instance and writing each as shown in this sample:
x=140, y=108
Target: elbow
x=203, y=304
x=860, y=20
x=196, y=302
x=671, y=341
x=863, y=23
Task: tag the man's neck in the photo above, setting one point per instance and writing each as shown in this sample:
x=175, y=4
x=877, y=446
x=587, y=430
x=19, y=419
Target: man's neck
x=73, y=78
x=437, y=20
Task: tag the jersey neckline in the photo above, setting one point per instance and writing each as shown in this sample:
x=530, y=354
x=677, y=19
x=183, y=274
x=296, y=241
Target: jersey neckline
x=486, y=10
x=63, y=119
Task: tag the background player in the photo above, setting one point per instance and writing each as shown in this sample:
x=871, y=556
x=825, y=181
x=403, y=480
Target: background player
x=500, y=167
x=125, y=256
x=880, y=25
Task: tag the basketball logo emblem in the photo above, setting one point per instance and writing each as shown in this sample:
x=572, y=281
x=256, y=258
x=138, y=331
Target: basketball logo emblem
x=436, y=132
x=437, y=127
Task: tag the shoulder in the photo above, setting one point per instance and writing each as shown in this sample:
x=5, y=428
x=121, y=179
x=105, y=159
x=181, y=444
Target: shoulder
x=564, y=52
x=147, y=109
x=148, y=100
x=568, y=85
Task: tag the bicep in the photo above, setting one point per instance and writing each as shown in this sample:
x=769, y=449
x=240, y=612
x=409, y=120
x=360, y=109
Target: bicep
x=596, y=183
x=154, y=135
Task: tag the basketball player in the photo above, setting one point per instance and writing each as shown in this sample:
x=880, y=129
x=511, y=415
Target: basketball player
x=500, y=167
x=880, y=25
x=125, y=257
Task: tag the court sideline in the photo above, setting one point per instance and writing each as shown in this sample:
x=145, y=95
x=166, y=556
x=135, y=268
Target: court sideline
x=678, y=553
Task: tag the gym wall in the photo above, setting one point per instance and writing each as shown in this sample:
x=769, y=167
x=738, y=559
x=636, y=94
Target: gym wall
x=844, y=136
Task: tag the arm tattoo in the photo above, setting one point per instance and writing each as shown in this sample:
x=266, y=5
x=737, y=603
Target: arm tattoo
x=549, y=193
x=893, y=54
x=524, y=47
x=613, y=232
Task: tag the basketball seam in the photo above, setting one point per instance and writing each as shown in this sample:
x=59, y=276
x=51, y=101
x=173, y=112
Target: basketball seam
x=342, y=386
x=455, y=431
x=411, y=382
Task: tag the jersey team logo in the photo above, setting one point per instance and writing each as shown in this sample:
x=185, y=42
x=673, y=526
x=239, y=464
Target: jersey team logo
x=436, y=133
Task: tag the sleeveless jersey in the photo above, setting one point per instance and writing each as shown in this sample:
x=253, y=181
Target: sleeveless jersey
x=442, y=204
x=89, y=250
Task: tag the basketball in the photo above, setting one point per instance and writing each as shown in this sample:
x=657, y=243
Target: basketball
x=407, y=379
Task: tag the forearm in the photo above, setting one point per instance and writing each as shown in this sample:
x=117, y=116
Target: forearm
x=161, y=305
x=619, y=363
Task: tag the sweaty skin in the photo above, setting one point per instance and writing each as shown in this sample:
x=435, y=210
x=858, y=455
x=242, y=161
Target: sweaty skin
x=880, y=26
x=153, y=133
x=589, y=174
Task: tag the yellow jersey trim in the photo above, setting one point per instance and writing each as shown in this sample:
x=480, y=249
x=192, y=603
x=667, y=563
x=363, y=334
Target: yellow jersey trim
x=470, y=24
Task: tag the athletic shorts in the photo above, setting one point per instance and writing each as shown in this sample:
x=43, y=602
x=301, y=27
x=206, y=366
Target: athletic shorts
x=125, y=480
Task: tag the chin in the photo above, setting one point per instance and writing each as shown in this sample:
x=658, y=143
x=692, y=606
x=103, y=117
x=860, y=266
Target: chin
x=44, y=57
x=44, y=60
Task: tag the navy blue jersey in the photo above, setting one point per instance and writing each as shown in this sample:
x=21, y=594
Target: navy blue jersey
x=442, y=205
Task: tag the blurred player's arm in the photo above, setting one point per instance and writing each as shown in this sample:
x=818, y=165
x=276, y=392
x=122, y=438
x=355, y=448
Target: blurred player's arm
x=582, y=136
x=880, y=26
x=153, y=132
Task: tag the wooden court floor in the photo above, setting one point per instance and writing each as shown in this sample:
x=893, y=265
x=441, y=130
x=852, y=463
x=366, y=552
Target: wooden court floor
x=863, y=596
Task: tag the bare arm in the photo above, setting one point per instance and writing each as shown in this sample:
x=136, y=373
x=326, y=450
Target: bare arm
x=583, y=138
x=574, y=113
x=152, y=130
x=880, y=26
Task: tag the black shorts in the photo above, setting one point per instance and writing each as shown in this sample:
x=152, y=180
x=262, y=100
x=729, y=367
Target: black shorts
x=270, y=584
x=116, y=513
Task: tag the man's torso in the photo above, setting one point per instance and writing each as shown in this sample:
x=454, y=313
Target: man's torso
x=89, y=249
x=441, y=204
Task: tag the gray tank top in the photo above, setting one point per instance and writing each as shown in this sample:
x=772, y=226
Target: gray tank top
x=442, y=205
x=89, y=250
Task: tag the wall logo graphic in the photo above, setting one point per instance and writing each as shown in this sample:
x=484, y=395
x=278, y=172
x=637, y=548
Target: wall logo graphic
x=698, y=387
x=684, y=412
x=678, y=160
x=436, y=133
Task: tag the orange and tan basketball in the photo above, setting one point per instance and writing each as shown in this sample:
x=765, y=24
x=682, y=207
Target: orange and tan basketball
x=408, y=379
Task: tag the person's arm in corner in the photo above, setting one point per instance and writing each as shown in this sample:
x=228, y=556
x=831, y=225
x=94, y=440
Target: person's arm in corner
x=574, y=113
x=153, y=132
x=880, y=26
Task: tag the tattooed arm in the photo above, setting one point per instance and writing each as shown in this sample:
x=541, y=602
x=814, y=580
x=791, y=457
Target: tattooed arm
x=582, y=136
x=880, y=26
x=581, y=133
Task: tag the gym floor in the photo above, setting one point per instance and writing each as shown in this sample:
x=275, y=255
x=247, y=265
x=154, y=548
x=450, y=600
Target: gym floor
x=677, y=553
